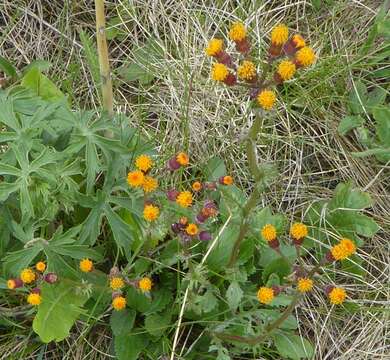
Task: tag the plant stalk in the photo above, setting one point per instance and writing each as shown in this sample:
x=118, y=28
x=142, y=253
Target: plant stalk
x=253, y=198
x=104, y=62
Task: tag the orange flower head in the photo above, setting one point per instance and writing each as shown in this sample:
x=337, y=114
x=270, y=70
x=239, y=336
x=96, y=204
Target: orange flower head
x=337, y=296
x=143, y=163
x=116, y=283
x=119, y=303
x=192, y=229
x=237, y=32
x=184, y=199
x=279, y=34
x=86, y=265
x=305, y=285
x=266, y=99
x=34, y=299
x=265, y=295
x=145, y=284
x=197, y=186
x=150, y=184
x=135, y=178
x=27, y=276
x=268, y=232
x=183, y=159
x=40, y=266
x=214, y=47
x=151, y=212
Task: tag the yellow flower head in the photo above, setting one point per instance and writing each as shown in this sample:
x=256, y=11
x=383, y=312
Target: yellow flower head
x=27, y=276
x=247, y=70
x=150, y=184
x=298, y=41
x=305, y=284
x=228, y=180
x=11, y=284
x=298, y=231
x=219, y=72
x=237, y=32
x=184, y=199
x=40, y=266
x=268, y=232
x=119, y=303
x=135, y=178
x=344, y=249
x=337, y=296
x=34, y=299
x=305, y=56
x=117, y=283
x=192, y=229
x=145, y=284
x=265, y=295
x=214, y=47
x=266, y=99
x=183, y=159
x=86, y=265
x=151, y=212
x=143, y=163
x=197, y=186
x=348, y=245
x=279, y=34
x=286, y=69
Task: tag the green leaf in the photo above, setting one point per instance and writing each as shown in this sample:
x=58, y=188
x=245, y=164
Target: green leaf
x=269, y=255
x=382, y=118
x=122, y=321
x=91, y=55
x=278, y=266
x=234, y=295
x=41, y=85
x=215, y=168
x=264, y=217
x=160, y=299
x=7, y=67
x=138, y=300
x=347, y=197
x=60, y=307
x=16, y=261
x=349, y=122
x=129, y=346
x=358, y=97
x=376, y=98
x=293, y=347
x=156, y=324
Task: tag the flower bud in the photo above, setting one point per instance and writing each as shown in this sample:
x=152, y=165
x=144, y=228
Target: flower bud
x=274, y=244
x=114, y=271
x=14, y=283
x=329, y=257
x=253, y=93
x=172, y=194
x=243, y=46
x=277, y=289
x=200, y=218
x=116, y=294
x=51, y=278
x=328, y=289
x=175, y=227
x=204, y=236
x=225, y=58
x=173, y=164
x=230, y=80
x=36, y=291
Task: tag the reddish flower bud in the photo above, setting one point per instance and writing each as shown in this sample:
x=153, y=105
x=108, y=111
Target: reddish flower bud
x=51, y=278
x=253, y=93
x=224, y=58
x=278, y=79
x=210, y=186
x=173, y=164
x=36, y=291
x=205, y=236
x=243, y=46
x=274, y=50
x=172, y=194
x=277, y=290
x=328, y=289
x=230, y=79
x=14, y=283
x=298, y=242
x=274, y=244
x=200, y=218
x=329, y=257
x=175, y=227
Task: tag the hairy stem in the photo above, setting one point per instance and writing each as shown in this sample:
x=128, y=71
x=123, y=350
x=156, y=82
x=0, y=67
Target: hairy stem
x=253, y=198
x=104, y=63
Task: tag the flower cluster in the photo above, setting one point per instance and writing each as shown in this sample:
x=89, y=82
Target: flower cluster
x=30, y=280
x=140, y=177
x=294, y=50
x=298, y=232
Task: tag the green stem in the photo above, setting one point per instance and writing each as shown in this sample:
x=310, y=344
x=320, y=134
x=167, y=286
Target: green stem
x=253, y=198
x=104, y=63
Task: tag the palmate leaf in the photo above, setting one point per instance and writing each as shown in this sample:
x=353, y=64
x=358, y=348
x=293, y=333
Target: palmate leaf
x=60, y=307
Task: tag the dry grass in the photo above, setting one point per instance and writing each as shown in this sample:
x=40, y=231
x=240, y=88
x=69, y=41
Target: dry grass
x=300, y=136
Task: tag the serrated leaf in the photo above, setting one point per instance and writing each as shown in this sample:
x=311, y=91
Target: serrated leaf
x=60, y=307
x=208, y=302
x=138, y=300
x=268, y=255
x=293, y=347
x=234, y=295
x=129, y=346
x=122, y=321
x=278, y=266
x=348, y=123
x=156, y=324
